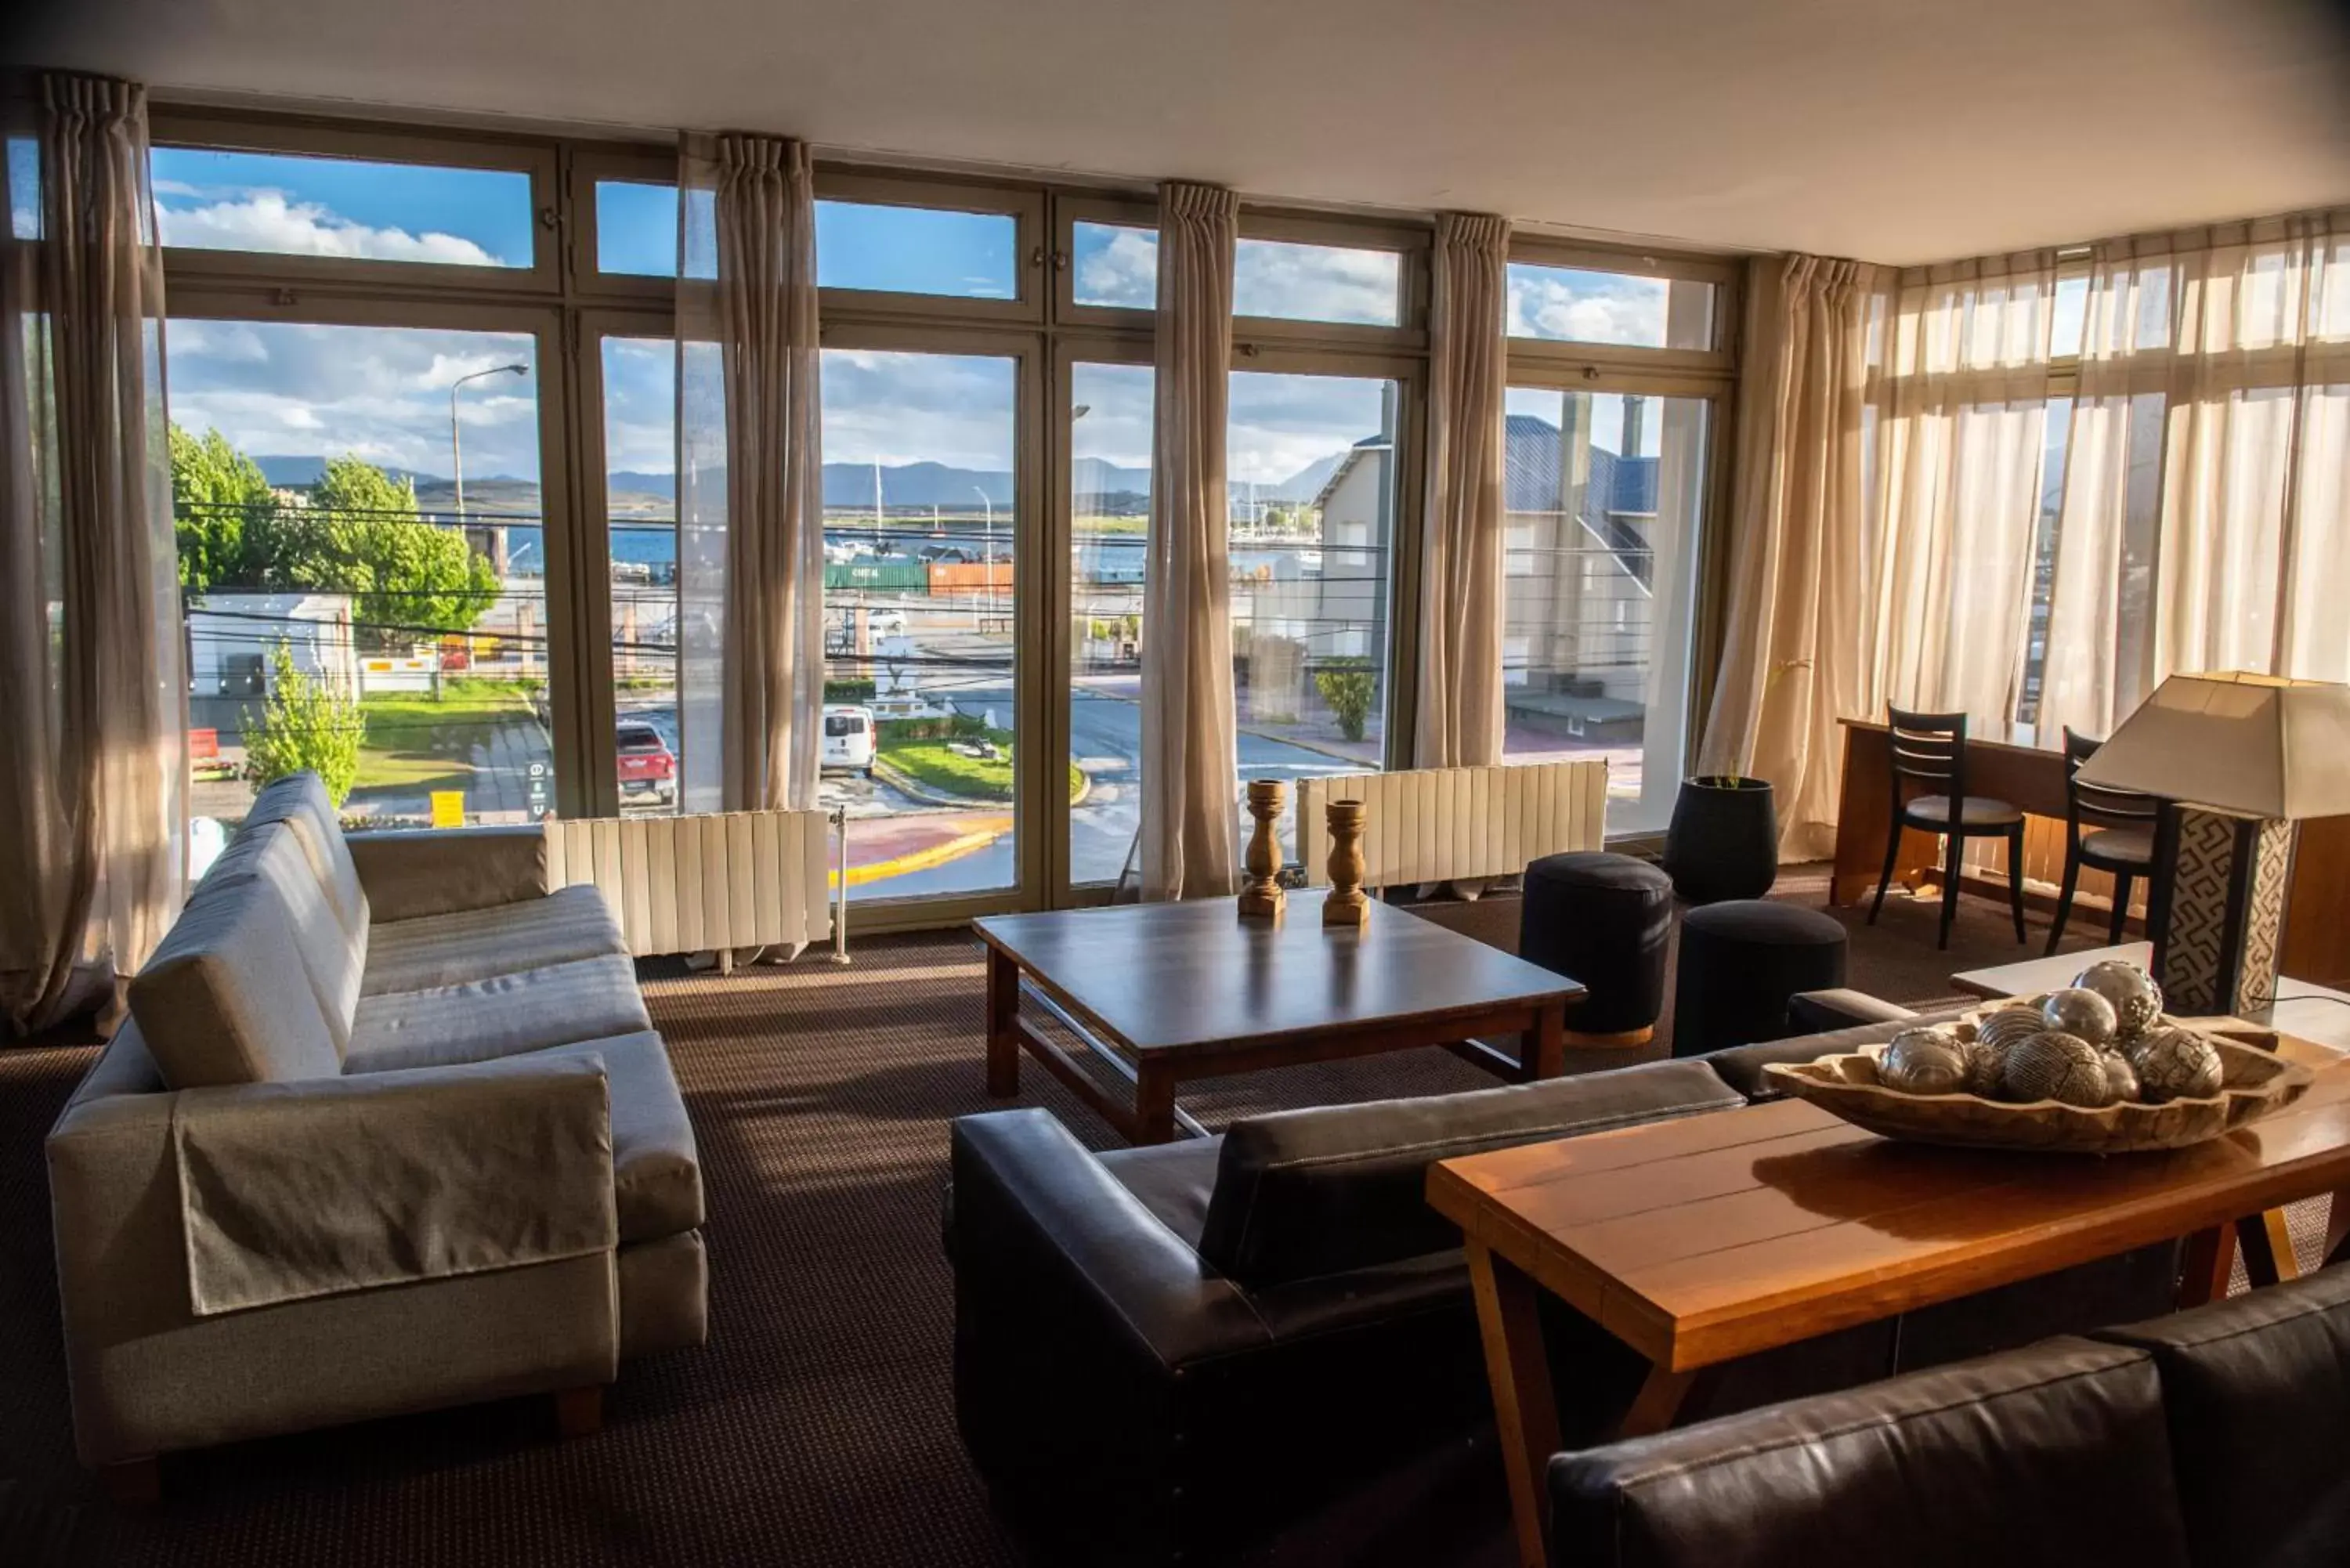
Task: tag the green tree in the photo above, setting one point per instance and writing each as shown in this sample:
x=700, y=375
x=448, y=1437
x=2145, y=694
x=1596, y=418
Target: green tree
x=219, y=499
x=411, y=577
x=304, y=723
x=1346, y=690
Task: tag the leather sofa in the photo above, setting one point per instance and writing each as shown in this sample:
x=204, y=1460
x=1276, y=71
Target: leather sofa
x=1249, y=1346
x=387, y=1128
x=2210, y=1439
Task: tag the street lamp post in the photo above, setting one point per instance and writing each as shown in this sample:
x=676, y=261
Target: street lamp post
x=457, y=454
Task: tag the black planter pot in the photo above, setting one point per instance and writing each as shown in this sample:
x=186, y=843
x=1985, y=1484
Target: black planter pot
x=1724, y=839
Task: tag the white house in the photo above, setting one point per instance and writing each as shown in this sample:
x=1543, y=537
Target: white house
x=231, y=637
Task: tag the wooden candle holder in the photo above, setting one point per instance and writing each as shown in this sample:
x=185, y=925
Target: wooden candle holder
x=1262, y=897
x=1347, y=903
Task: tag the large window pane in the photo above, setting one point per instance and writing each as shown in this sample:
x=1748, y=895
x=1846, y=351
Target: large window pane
x=641, y=514
x=917, y=250
x=1109, y=488
x=919, y=731
x=1573, y=305
x=1318, y=282
x=290, y=205
x=1311, y=461
x=1602, y=495
x=332, y=523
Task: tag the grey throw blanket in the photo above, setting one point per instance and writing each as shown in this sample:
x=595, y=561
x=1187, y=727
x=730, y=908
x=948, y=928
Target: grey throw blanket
x=289, y=1190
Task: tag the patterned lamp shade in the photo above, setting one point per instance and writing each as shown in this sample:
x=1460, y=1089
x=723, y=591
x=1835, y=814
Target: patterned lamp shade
x=2238, y=758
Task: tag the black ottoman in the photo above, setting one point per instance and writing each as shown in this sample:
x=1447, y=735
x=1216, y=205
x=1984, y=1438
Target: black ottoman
x=1604, y=919
x=1740, y=962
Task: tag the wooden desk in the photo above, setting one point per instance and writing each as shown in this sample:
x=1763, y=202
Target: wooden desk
x=1158, y=993
x=2317, y=915
x=1703, y=1240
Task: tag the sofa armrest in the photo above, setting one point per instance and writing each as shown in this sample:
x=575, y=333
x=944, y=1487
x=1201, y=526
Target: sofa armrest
x=1035, y=1213
x=442, y=871
x=1817, y=1011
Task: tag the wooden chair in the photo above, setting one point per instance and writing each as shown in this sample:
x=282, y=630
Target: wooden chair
x=2119, y=837
x=1929, y=751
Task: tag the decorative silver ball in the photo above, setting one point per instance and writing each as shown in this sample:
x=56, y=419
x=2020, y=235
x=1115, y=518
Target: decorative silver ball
x=1926, y=1060
x=2174, y=1064
x=2001, y=1029
x=2122, y=1076
x=2136, y=1000
x=2083, y=1014
x=2057, y=1066
x=1985, y=1064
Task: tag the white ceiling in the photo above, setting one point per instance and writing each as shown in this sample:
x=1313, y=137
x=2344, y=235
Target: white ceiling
x=1896, y=130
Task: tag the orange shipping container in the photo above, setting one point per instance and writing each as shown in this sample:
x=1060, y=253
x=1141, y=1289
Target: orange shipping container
x=969, y=576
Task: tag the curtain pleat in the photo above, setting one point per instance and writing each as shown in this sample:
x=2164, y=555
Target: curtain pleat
x=1791, y=659
x=1459, y=720
x=1190, y=815
x=93, y=697
x=750, y=476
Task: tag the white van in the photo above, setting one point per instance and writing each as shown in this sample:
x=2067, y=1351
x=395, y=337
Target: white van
x=848, y=738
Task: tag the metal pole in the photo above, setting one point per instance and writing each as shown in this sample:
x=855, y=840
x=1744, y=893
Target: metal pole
x=840, y=894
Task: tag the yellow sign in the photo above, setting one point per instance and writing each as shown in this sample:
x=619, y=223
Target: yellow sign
x=447, y=808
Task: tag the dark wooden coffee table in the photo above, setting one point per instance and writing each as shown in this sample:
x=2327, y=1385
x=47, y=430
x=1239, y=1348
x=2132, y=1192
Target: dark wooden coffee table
x=1165, y=992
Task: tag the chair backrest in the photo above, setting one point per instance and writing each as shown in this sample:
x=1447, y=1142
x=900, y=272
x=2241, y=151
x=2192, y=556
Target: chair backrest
x=1928, y=750
x=2095, y=803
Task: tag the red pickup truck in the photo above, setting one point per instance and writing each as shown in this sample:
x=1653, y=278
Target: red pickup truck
x=647, y=767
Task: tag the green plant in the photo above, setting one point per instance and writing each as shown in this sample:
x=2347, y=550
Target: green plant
x=303, y=723
x=848, y=690
x=1348, y=690
x=217, y=492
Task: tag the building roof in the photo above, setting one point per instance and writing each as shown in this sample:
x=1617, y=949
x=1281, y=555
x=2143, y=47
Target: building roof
x=1531, y=455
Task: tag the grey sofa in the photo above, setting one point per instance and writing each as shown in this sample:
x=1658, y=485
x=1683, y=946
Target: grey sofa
x=388, y=1129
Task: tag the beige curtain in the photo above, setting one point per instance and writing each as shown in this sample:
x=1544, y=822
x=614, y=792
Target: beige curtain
x=93, y=696
x=1459, y=719
x=1190, y=821
x=1790, y=661
x=749, y=475
x=1960, y=396
x=2206, y=518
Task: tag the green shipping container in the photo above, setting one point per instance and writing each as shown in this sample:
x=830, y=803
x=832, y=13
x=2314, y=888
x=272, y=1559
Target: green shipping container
x=879, y=577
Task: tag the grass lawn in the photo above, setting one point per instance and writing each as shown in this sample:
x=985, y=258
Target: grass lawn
x=934, y=765
x=414, y=742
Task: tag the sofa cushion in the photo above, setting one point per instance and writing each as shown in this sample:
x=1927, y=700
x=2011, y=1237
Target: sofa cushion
x=656, y=1174
x=557, y=1004
x=331, y=957
x=2046, y=1458
x=224, y=1002
x=300, y=802
x=569, y=924
x=1172, y=1180
x=1301, y=1193
x=2237, y=1375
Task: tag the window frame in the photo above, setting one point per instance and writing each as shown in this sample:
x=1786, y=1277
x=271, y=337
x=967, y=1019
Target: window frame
x=1412, y=242
x=1030, y=256
x=1670, y=266
x=1068, y=211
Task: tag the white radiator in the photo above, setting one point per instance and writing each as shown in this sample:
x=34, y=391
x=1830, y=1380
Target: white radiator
x=1433, y=825
x=714, y=883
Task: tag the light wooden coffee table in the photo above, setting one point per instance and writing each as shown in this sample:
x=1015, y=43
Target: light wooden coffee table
x=1700, y=1241
x=1159, y=993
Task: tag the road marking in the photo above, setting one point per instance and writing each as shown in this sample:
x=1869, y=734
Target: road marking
x=923, y=859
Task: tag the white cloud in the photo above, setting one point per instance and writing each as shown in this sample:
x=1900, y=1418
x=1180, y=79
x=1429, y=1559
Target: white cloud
x=269, y=220
x=1124, y=273
x=1316, y=282
x=1586, y=307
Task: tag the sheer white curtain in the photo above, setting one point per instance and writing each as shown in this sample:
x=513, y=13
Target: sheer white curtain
x=1460, y=718
x=93, y=696
x=1191, y=818
x=750, y=503
x=2206, y=519
x=1958, y=399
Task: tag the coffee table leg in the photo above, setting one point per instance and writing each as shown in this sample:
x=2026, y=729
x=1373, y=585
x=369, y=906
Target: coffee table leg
x=1542, y=1050
x=1002, y=1032
x=1154, y=1104
x=1524, y=1409
x=2209, y=1258
x=2337, y=1229
x=1662, y=1396
x=2267, y=1245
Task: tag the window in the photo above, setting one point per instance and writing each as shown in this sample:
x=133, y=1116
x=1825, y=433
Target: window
x=1311, y=466
x=1576, y=305
x=24, y=169
x=334, y=528
x=920, y=479
x=641, y=523
x=298, y=205
x=1110, y=514
x=1603, y=496
x=1114, y=266
x=917, y=250
x=636, y=228
x=1292, y=282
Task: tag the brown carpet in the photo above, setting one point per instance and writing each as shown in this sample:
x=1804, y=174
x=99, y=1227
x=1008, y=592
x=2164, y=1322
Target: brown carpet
x=816, y=1427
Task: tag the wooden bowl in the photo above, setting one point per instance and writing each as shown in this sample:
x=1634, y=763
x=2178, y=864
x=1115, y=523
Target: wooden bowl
x=2254, y=1083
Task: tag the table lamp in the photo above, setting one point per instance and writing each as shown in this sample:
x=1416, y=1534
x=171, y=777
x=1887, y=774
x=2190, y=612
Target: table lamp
x=2237, y=760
